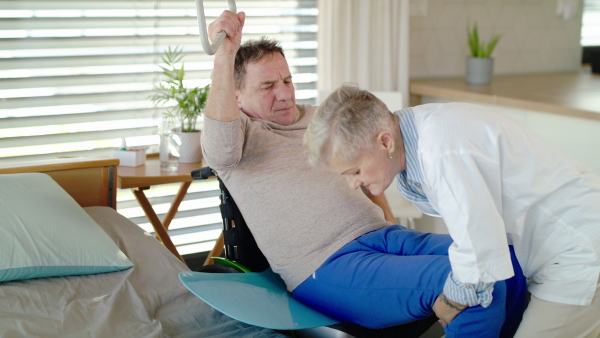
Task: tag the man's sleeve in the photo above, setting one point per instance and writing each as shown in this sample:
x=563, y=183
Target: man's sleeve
x=222, y=142
x=469, y=294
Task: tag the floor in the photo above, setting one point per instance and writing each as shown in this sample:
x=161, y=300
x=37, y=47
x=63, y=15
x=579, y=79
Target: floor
x=436, y=331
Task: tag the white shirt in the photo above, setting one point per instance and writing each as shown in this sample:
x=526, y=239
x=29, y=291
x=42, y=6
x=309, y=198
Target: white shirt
x=495, y=183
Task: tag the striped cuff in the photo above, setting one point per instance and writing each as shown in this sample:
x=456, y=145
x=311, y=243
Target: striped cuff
x=467, y=293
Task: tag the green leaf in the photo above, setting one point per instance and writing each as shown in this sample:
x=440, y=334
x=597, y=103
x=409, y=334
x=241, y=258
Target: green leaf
x=473, y=39
x=477, y=47
x=492, y=44
x=184, y=105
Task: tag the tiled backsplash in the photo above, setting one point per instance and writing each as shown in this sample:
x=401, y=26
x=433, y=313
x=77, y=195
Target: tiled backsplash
x=536, y=39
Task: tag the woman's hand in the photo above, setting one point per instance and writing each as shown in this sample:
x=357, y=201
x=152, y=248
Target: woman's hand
x=446, y=309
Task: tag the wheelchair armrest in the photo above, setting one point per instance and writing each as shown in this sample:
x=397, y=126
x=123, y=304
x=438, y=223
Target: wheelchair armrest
x=203, y=173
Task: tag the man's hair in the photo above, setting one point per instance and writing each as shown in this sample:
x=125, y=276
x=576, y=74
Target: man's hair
x=345, y=126
x=253, y=51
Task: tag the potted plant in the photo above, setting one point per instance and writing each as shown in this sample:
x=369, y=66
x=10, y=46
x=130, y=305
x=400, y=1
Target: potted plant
x=185, y=105
x=480, y=64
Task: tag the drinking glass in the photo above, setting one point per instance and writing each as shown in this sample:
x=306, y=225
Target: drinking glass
x=170, y=142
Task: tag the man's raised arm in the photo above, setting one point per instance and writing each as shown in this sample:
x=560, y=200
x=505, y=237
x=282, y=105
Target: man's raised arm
x=221, y=104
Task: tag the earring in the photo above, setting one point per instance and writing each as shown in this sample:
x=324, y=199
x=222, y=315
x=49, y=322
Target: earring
x=389, y=155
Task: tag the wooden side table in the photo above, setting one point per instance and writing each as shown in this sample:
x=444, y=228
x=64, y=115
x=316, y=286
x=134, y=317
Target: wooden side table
x=141, y=178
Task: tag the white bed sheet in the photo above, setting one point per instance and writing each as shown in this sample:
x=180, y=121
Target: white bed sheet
x=145, y=301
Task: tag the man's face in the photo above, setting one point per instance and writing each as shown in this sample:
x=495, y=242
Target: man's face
x=267, y=92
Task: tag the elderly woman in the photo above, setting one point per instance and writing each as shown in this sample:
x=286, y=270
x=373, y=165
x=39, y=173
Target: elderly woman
x=494, y=183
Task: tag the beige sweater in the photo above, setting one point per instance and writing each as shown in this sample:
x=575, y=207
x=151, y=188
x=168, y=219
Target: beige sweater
x=298, y=215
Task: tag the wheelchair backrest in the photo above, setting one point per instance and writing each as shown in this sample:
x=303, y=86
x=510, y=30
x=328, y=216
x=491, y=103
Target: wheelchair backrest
x=240, y=245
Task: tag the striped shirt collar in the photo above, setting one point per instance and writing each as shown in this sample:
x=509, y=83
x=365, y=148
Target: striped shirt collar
x=410, y=180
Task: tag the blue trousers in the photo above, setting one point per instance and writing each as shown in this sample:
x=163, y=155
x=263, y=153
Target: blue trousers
x=394, y=275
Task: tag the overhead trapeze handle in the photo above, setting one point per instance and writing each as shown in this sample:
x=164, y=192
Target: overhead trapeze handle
x=209, y=48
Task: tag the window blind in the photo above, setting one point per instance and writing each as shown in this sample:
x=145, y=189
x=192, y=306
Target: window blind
x=75, y=76
x=590, y=27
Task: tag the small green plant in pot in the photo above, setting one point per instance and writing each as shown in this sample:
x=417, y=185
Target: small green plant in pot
x=480, y=64
x=185, y=105
x=189, y=102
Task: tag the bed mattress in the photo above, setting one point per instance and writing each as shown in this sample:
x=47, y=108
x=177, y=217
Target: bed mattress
x=147, y=300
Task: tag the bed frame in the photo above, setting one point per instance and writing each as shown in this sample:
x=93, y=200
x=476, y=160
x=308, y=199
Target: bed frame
x=90, y=181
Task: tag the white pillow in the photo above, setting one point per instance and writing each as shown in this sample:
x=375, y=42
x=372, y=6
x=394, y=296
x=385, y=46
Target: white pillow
x=45, y=233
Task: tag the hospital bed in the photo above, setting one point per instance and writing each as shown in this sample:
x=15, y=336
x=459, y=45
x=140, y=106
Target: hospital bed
x=146, y=300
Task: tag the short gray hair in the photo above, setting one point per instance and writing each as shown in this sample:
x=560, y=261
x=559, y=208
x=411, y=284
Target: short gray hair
x=345, y=126
x=253, y=51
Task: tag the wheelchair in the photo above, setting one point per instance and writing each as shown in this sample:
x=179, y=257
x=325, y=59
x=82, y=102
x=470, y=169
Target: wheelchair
x=246, y=267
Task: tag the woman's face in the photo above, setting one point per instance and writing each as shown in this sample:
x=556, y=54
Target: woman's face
x=374, y=170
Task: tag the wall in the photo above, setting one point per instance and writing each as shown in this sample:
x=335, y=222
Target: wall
x=536, y=39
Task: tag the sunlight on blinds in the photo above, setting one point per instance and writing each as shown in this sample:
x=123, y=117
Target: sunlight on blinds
x=76, y=76
x=197, y=223
x=590, y=27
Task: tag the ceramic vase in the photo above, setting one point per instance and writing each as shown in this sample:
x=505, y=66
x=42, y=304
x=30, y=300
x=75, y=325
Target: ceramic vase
x=479, y=70
x=190, y=150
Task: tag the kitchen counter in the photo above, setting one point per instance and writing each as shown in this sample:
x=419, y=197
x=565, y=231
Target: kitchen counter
x=575, y=94
x=564, y=108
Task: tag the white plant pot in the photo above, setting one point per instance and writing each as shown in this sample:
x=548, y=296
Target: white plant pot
x=190, y=150
x=479, y=70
